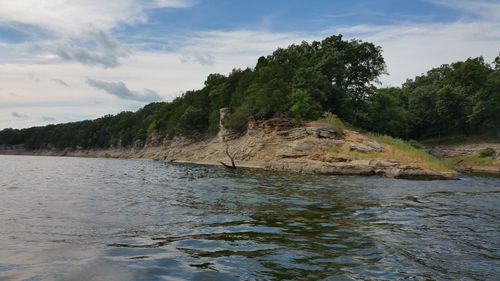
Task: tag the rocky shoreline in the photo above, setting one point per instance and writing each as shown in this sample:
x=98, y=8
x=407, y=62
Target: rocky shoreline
x=271, y=147
x=464, y=151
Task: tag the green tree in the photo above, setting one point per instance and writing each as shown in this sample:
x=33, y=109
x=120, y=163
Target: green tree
x=304, y=106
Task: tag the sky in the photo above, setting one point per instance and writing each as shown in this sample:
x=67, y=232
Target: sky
x=71, y=60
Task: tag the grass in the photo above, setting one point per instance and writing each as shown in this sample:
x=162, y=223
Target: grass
x=329, y=120
x=399, y=150
x=406, y=153
x=460, y=139
x=469, y=161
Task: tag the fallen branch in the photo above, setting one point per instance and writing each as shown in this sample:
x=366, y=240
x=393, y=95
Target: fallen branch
x=232, y=166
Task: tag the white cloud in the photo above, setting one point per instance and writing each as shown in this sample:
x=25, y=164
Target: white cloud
x=61, y=82
x=121, y=91
x=412, y=49
x=27, y=70
x=18, y=115
x=75, y=17
x=48, y=118
x=106, y=53
x=485, y=9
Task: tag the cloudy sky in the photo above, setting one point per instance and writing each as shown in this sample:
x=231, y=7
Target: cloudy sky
x=69, y=60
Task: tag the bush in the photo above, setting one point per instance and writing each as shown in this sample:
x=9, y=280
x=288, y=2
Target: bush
x=304, y=107
x=193, y=121
x=487, y=152
x=238, y=120
x=334, y=121
x=415, y=144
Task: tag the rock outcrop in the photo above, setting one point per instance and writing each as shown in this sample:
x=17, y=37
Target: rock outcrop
x=276, y=144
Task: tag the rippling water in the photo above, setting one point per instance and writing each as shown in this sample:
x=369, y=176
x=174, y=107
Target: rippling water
x=106, y=219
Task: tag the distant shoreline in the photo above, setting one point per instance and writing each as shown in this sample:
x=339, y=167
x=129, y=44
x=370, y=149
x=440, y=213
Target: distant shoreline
x=269, y=150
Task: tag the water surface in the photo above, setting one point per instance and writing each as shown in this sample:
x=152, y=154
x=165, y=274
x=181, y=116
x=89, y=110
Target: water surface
x=107, y=219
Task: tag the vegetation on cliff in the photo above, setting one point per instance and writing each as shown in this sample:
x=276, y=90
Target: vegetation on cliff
x=302, y=81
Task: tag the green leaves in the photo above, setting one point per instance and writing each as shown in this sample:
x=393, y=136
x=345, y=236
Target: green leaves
x=304, y=106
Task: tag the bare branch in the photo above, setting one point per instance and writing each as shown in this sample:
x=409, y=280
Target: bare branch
x=232, y=166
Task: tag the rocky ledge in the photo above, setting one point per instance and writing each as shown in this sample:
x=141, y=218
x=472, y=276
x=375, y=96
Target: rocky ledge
x=382, y=167
x=275, y=145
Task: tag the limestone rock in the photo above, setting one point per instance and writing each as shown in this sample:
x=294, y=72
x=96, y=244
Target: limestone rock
x=356, y=146
x=383, y=163
x=326, y=157
x=375, y=146
x=416, y=173
x=294, y=133
x=367, y=146
x=299, y=148
x=341, y=168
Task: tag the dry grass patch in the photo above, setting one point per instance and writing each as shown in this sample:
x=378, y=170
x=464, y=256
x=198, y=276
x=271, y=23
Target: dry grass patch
x=399, y=150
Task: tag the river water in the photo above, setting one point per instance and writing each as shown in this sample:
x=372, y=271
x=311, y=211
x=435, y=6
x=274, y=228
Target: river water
x=65, y=218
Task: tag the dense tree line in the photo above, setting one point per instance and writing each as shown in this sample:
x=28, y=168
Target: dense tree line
x=462, y=98
x=302, y=81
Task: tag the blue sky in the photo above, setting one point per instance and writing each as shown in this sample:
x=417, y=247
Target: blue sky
x=64, y=60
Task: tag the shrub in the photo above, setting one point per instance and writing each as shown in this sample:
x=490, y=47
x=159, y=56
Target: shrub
x=304, y=107
x=415, y=144
x=334, y=121
x=487, y=152
x=238, y=120
x=193, y=121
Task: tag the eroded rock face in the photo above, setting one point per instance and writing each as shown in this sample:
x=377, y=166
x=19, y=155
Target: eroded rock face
x=326, y=157
x=299, y=148
x=225, y=133
x=301, y=132
x=155, y=139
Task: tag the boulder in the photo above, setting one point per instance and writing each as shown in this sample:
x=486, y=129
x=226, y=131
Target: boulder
x=367, y=146
x=383, y=163
x=375, y=146
x=356, y=146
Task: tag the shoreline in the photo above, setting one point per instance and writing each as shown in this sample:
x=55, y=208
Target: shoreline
x=272, y=151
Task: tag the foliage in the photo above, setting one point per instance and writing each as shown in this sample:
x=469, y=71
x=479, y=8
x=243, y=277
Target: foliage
x=303, y=106
x=458, y=99
x=487, y=152
x=471, y=161
x=334, y=120
x=237, y=121
x=415, y=144
x=302, y=81
x=385, y=113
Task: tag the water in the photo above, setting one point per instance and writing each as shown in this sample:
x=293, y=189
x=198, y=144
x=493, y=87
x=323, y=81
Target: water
x=106, y=219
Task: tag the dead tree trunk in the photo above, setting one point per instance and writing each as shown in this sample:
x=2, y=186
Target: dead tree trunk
x=232, y=166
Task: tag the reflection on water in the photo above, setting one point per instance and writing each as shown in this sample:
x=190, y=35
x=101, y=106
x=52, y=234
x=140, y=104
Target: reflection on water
x=104, y=219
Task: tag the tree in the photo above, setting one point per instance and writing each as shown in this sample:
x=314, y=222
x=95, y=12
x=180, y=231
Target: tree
x=304, y=106
x=385, y=112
